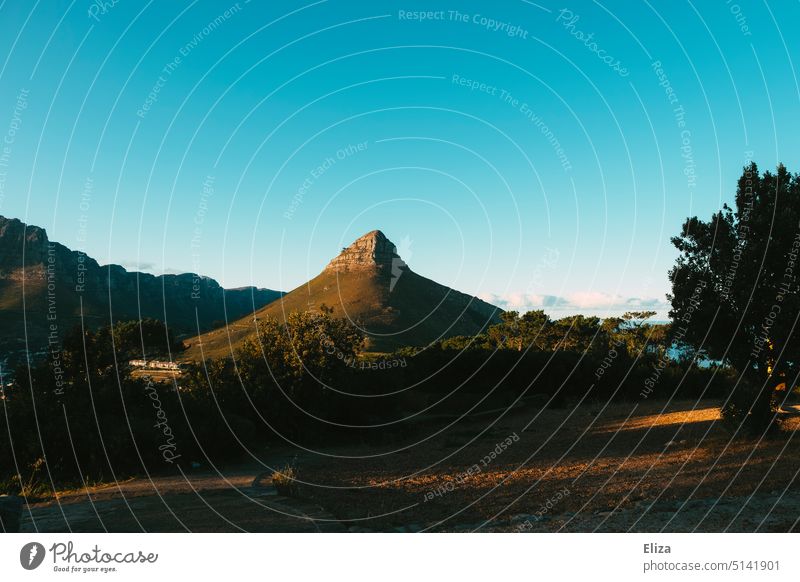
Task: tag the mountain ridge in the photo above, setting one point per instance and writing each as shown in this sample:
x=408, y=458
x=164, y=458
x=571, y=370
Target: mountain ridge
x=44, y=285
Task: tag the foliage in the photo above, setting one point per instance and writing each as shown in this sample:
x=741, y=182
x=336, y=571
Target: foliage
x=308, y=350
x=735, y=291
x=77, y=415
x=285, y=481
x=459, y=381
x=750, y=409
x=535, y=330
x=145, y=338
x=78, y=420
x=101, y=352
x=300, y=378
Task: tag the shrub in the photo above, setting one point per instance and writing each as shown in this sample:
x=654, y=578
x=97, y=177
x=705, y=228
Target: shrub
x=751, y=409
x=285, y=481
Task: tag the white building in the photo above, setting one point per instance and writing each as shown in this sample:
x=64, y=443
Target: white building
x=155, y=365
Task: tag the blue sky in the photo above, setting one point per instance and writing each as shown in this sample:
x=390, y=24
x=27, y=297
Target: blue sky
x=535, y=154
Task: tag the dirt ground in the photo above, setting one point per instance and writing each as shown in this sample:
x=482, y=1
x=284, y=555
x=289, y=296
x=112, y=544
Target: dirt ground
x=236, y=500
x=645, y=467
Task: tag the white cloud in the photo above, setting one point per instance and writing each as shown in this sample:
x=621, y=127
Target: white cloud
x=593, y=299
x=138, y=265
x=587, y=302
x=152, y=268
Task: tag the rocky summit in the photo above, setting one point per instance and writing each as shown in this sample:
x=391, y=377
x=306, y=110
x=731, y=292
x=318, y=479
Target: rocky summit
x=371, y=251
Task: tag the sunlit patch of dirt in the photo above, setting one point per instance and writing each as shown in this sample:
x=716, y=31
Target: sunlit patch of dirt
x=593, y=460
x=666, y=419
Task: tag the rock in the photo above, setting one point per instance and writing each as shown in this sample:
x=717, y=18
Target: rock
x=371, y=251
x=10, y=513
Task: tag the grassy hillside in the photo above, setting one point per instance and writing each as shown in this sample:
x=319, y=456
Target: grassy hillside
x=415, y=311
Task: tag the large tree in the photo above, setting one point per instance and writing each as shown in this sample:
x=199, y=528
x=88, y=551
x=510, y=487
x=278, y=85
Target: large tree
x=735, y=285
x=302, y=357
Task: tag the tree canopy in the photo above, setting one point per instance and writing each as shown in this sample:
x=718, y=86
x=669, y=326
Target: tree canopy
x=734, y=285
x=735, y=291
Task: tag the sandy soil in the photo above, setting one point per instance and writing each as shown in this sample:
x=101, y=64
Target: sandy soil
x=644, y=467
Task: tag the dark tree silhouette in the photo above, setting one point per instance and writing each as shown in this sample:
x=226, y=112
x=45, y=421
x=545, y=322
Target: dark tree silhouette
x=735, y=289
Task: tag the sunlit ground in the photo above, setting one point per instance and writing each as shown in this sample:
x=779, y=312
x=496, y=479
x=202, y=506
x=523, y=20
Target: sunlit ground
x=677, y=419
x=612, y=460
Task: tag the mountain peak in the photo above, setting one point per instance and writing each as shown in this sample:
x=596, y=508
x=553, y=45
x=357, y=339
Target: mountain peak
x=18, y=240
x=370, y=251
x=370, y=284
x=15, y=228
x=373, y=234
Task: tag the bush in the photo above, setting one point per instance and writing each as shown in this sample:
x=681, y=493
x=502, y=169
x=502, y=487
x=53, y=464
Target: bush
x=67, y=423
x=751, y=409
x=301, y=379
x=285, y=481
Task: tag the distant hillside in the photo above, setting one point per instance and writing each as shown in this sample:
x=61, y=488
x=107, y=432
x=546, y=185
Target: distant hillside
x=372, y=286
x=45, y=287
